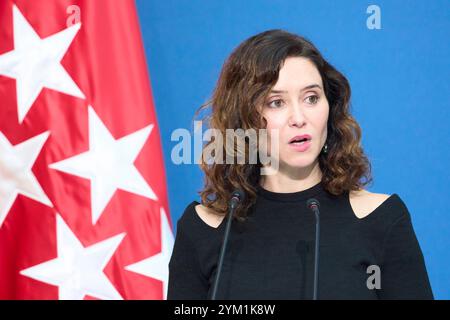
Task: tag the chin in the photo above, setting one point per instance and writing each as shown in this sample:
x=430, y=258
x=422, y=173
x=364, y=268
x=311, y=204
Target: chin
x=299, y=163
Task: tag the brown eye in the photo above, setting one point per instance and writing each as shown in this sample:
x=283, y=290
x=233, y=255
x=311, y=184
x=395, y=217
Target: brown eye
x=275, y=103
x=313, y=99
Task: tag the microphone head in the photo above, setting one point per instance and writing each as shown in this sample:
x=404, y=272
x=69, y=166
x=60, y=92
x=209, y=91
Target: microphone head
x=238, y=195
x=313, y=203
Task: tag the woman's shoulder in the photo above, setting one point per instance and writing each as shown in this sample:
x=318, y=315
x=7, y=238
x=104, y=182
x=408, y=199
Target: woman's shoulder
x=208, y=216
x=365, y=204
x=198, y=216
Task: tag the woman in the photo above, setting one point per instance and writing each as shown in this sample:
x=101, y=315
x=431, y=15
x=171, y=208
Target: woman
x=368, y=249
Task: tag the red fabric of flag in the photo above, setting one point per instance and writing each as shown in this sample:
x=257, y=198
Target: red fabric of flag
x=83, y=203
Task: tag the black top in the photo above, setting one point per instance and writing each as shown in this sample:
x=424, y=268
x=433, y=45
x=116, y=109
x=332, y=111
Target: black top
x=271, y=255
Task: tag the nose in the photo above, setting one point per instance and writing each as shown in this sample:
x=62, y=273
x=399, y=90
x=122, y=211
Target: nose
x=296, y=117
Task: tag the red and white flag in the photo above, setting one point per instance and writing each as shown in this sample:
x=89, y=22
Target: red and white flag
x=83, y=203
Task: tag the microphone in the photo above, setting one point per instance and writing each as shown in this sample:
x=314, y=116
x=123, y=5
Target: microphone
x=237, y=196
x=313, y=204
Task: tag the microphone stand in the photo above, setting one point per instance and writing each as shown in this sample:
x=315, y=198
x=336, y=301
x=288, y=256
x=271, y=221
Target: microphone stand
x=313, y=204
x=234, y=203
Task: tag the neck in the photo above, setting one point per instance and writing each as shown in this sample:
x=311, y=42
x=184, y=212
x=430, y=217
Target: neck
x=292, y=179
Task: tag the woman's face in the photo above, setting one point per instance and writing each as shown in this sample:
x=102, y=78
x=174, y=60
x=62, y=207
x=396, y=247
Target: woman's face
x=297, y=106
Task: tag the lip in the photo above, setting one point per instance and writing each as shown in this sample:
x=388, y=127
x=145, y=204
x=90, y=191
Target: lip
x=302, y=147
x=303, y=136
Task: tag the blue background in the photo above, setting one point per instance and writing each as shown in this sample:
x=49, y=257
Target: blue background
x=400, y=90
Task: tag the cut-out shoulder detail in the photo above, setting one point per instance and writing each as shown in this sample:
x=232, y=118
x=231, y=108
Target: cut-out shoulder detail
x=208, y=216
x=364, y=203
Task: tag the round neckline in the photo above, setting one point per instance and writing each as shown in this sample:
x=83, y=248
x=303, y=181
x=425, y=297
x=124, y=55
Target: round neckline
x=291, y=196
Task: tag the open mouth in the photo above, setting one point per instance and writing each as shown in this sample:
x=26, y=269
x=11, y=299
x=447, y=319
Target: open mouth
x=299, y=141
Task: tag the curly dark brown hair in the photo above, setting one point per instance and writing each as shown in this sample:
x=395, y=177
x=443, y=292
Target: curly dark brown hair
x=246, y=78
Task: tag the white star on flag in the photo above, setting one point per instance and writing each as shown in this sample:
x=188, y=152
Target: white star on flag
x=35, y=63
x=109, y=164
x=78, y=271
x=157, y=266
x=16, y=176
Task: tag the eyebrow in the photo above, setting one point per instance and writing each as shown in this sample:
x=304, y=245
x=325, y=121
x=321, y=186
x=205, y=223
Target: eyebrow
x=311, y=86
